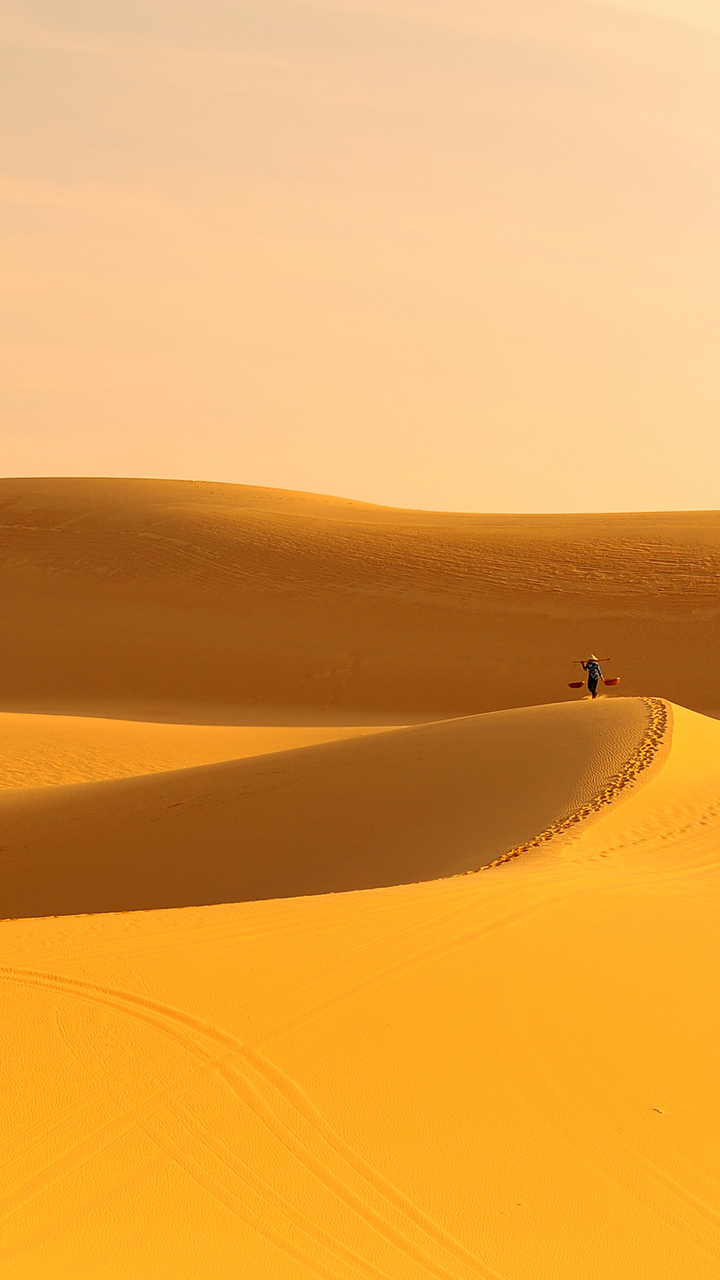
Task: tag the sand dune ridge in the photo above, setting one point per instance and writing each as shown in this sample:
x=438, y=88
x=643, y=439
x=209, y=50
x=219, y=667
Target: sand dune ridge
x=375, y=810
x=642, y=758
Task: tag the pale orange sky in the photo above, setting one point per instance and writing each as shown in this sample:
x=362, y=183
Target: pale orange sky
x=458, y=255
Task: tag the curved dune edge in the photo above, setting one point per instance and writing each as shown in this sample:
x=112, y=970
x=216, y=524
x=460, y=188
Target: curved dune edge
x=675, y=815
x=641, y=759
x=57, y=750
x=396, y=807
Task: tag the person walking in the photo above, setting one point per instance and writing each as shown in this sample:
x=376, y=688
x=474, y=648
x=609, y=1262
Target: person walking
x=594, y=674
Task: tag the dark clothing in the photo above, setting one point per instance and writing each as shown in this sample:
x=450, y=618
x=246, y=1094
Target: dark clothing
x=593, y=669
x=594, y=675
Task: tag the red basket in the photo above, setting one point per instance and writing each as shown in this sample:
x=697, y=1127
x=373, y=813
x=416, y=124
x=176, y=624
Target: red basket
x=575, y=684
x=612, y=680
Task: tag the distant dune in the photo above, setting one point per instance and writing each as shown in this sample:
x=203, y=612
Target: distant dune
x=180, y=600
x=342, y=939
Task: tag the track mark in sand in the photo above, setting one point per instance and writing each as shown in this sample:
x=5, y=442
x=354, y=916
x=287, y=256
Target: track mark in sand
x=410, y=1217
x=188, y=1154
x=251, y=1077
x=107, y=1136
x=633, y=767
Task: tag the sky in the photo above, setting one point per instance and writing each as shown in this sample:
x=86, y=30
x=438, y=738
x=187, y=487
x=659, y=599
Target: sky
x=442, y=254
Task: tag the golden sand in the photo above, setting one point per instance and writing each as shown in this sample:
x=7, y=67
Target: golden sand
x=213, y=603
x=306, y=1027
x=39, y=751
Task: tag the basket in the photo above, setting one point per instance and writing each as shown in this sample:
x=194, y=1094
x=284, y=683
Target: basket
x=576, y=684
x=612, y=680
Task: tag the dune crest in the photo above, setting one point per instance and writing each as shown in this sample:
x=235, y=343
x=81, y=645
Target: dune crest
x=650, y=752
x=37, y=750
x=675, y=818
x=390, y=808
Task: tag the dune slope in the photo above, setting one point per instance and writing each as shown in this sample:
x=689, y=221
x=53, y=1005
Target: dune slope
x=510, y=1075
x=402, y=805
x=38, y=750
x=169, y=599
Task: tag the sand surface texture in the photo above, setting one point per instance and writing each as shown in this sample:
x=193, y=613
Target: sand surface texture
x=221, y=603
x=37, y=750
x=316, y=996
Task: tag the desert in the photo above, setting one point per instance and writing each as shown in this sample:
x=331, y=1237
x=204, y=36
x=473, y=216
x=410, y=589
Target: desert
x=340, y=937
x=359, y=640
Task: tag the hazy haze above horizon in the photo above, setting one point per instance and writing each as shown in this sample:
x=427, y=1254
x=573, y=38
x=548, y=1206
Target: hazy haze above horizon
x=451, y=255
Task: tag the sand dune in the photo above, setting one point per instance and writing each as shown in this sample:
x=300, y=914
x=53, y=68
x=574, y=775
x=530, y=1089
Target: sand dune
x=678, y=813
x=209, y=602
x=37, y=750
x=290, y=1038
x=502, y=1075
x=398, y=806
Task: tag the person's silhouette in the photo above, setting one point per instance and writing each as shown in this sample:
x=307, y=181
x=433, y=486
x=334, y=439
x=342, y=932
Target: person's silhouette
x=594, y=674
